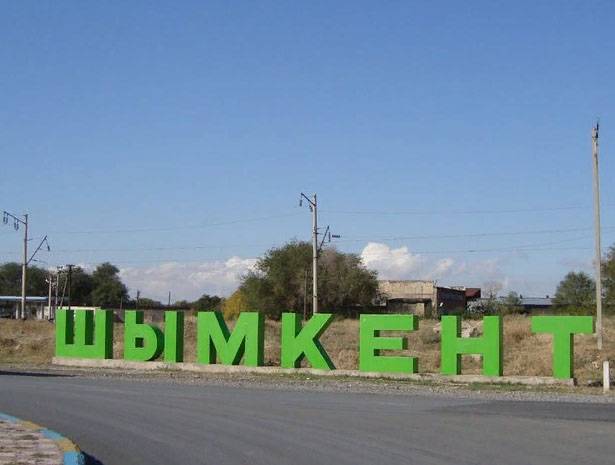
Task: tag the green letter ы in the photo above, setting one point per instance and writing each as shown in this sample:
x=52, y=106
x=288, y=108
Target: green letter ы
x=563, y=329
x=142, y=342
x=489, y=345
x=84, y=333
x=371, y=343
x=298, y=342
x=214, y=341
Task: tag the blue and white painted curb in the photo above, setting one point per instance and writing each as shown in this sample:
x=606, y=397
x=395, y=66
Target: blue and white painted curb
x=72, y=454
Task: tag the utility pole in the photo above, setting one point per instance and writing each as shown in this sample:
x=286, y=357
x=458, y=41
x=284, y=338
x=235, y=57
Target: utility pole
x=313, y=203
x=305, y=285
x=24, y=268
x=598, y=257
x=21, y=314
x=55, y=306
x=69, y=278
x=169, y=302
x=50, y=281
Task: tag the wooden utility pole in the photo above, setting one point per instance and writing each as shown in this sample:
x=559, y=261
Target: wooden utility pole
x=598, y=251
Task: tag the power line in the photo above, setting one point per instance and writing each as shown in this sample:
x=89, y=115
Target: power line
x=177, y=228
x=456, y=212
x=468, y=235
x=352, y=239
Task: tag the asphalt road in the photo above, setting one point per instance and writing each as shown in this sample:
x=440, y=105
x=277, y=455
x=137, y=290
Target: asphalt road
x=126, y=422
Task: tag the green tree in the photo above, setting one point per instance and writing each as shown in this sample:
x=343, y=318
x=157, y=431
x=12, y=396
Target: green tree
x=108, y=289
x=146, y=302
x=207, y=302
x=278, y=282
x=10, y=280
x=608, y=280
x=577, y=291
x=511, y=303
x=81, y=286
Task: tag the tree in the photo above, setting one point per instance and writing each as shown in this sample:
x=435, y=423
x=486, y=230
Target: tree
x=278, y=282
x=577, y=291
x=608, y=280
x=81, y=286
x=145, y=303
x=10, y=280
x=511, y=303
x=235, y=304
x=108, y=289
x=207, y=302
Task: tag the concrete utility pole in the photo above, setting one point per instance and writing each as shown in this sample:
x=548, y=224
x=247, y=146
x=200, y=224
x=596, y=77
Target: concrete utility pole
x=313, y=203
x=305, y=285
x=21, y=314
x=315, y=256
x=24, y=268
x=55, y=304
x=69, y=282
x=598, y=257
x=50, y=281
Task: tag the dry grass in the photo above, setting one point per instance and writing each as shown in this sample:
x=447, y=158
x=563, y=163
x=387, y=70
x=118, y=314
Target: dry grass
x=32, y=342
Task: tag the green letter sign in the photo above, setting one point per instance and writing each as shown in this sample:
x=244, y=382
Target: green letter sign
x=563, y=329
x=173, y=337
x=298, y=342
x=142, y=342
x=214, y=339
x=489, y=345
x=84, y=333
x=371, y=343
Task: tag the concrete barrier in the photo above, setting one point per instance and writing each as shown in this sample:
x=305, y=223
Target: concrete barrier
x=240, y=369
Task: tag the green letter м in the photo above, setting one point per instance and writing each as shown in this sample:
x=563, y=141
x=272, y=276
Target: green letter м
x=84, y=333
x=215, y=341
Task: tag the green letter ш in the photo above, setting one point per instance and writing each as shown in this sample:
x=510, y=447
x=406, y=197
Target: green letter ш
x=173, y=337
x=142, y=342
x=489, y=345
x=371, y=343
x=214, y=341
x=84, y=333
x=298, y=342
x=563, y=329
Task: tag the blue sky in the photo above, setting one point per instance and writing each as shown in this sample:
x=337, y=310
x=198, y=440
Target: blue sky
x=174, y=138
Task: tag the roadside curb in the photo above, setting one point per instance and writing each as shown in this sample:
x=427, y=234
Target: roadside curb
x=72, y=453
x=268, y=370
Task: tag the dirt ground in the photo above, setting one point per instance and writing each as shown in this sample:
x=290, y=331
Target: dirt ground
x=32, y=342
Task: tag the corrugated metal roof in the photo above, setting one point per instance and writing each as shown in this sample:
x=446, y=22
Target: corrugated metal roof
x=15, y=298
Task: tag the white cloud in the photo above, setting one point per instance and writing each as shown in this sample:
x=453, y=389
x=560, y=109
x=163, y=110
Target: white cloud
x=391, y=263
x=187, y=280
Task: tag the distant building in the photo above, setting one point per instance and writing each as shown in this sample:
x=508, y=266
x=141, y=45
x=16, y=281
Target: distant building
x=10, y=304
x=536, y=303
x=526, y=304
x=420, y=297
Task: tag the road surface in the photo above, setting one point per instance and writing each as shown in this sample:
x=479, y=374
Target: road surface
x=128, y=422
